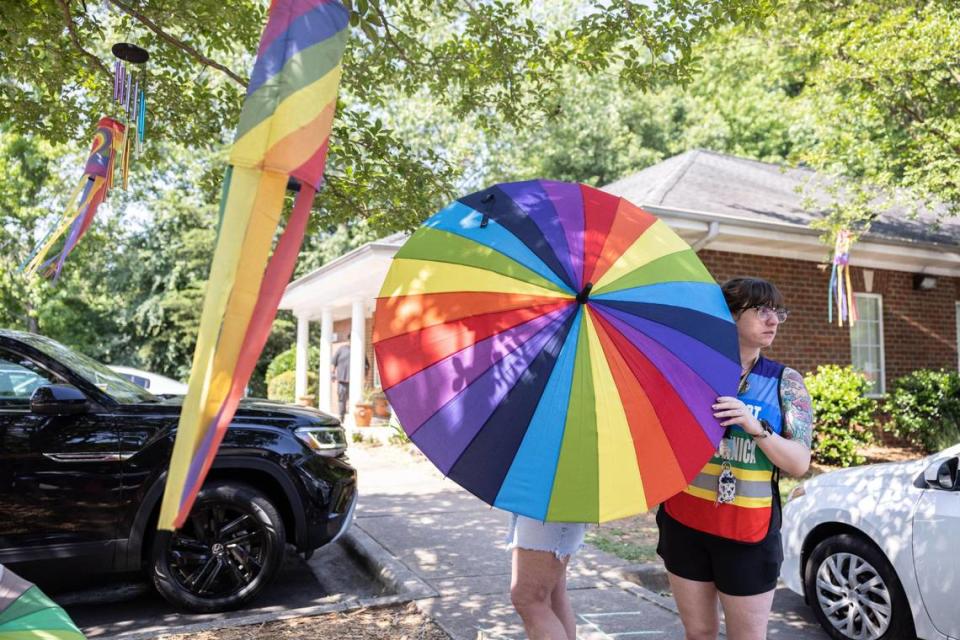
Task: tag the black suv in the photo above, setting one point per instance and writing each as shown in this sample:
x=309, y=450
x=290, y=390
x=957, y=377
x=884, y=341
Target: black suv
x=83, y=460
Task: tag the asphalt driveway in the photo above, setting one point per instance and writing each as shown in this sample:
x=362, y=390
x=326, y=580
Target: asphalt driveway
x=331, y=579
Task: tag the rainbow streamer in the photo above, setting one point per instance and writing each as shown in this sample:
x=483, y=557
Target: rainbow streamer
x=283, y=133
x=841, y=288
x=93, y=189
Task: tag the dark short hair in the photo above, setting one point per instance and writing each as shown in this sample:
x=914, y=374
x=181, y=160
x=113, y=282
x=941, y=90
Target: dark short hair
x=744, y=293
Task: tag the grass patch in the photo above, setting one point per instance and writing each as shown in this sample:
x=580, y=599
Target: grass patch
x=633, y=539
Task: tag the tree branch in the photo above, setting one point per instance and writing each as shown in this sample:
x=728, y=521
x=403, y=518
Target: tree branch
x=389, y=36
x=176, y=42
x=75, y=39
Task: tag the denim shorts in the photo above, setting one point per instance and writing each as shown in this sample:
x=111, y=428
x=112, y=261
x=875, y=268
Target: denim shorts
x=563, y=539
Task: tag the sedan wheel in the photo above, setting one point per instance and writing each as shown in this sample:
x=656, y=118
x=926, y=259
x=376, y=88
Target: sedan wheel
x=855, y=592
x=228, y=550
x=853, y=596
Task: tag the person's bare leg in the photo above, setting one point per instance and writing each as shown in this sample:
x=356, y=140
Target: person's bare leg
x=698, y=606
x=535, y=576
x=560, y=603
x=747, y=616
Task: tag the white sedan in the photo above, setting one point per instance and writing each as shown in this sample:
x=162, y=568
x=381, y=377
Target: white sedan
x=152, y=382
x=875, y=550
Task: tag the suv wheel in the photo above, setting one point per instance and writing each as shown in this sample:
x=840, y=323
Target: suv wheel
x=854, y=591
x=228, y=550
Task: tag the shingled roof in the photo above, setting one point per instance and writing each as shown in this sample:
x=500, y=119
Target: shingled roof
x=710, y=182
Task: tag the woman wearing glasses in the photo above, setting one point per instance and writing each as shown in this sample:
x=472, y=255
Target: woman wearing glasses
x=720, y=537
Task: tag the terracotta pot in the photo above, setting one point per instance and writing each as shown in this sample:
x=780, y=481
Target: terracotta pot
x=308, y=400
x=363, y=414
x=381, y=408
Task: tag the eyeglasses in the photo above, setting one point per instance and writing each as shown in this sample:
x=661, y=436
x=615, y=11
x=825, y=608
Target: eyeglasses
x=767, y=314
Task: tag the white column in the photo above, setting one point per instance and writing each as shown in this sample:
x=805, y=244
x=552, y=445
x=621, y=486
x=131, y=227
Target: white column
x=326, y=346
x=303, y=341
x=357, y=344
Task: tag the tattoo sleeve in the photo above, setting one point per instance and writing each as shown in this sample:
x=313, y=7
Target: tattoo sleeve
x=797, y=408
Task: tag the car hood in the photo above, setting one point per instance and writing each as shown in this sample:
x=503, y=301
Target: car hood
x=254, y=408
x=263, y=407
x=853, y=476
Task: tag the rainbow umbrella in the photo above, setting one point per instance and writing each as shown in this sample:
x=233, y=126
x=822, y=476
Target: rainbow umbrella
x=555, y=350
x=26, y=613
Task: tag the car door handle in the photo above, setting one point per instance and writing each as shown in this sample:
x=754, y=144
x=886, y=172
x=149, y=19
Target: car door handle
x=88, y=457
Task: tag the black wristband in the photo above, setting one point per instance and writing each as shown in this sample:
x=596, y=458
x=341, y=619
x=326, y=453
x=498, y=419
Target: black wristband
x=767, y=429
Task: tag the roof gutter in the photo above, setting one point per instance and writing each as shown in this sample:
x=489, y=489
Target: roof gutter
x=786, y=227
x=356, y=254
x=712, y=232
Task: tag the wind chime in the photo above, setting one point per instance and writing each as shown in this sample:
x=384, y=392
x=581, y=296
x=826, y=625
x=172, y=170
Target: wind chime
x=840, y=287
x=129, y=85
x=116, y=139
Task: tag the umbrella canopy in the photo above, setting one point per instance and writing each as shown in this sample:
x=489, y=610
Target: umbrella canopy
x=27, y=614
x=555, y=350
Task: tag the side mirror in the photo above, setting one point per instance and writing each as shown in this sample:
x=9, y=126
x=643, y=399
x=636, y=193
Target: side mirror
x=943, y=474
x=58, y=400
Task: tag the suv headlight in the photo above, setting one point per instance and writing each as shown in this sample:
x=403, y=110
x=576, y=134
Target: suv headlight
x=324, y=441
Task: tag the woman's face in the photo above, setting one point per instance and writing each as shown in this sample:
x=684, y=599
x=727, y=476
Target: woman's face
x=757, y=326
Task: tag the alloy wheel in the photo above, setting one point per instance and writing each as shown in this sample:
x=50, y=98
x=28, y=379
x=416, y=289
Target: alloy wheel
x=220, y=551
x=853, y=596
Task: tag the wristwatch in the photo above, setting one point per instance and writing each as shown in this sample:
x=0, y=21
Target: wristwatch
x=767, y=429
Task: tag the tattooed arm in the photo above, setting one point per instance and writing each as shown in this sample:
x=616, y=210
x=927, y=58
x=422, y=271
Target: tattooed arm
x=791, y=450
x=797, y=408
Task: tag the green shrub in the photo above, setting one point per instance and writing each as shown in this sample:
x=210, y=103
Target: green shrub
x=924, y=409
x=287, y=361
x=281, y=388
x=844, y=416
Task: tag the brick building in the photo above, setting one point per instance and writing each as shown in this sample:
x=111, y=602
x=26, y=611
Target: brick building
x=744, y=218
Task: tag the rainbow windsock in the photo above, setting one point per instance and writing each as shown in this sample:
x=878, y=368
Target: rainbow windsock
x=92, y=190
x=284, y=132
x=840, y=287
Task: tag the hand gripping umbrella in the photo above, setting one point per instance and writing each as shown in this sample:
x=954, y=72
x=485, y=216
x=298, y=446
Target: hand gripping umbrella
x=26, y=613
x=556, y=350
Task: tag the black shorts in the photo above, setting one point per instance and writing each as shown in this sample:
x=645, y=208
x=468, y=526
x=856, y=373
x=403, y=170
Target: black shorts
x=736, y=568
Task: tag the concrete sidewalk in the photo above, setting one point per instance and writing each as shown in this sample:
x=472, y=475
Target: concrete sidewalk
x=445, y=548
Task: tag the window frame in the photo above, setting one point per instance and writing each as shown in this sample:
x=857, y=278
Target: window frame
x=51, y=376
x=956, y=304
x=377, y=383
x=858, y=295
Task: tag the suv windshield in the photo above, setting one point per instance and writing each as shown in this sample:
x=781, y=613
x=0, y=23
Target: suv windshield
x=118, y=388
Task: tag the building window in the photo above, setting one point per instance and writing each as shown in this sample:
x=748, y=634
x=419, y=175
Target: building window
x=866, y=341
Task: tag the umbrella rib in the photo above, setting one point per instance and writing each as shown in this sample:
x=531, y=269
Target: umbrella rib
x=538, y=270
x=561, y=327
x=458, y=327
x=667, y=326
x=611, y=320
x=547, y=290
x=665, y=378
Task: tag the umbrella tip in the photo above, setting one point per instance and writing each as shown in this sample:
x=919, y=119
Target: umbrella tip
x=584, y=293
